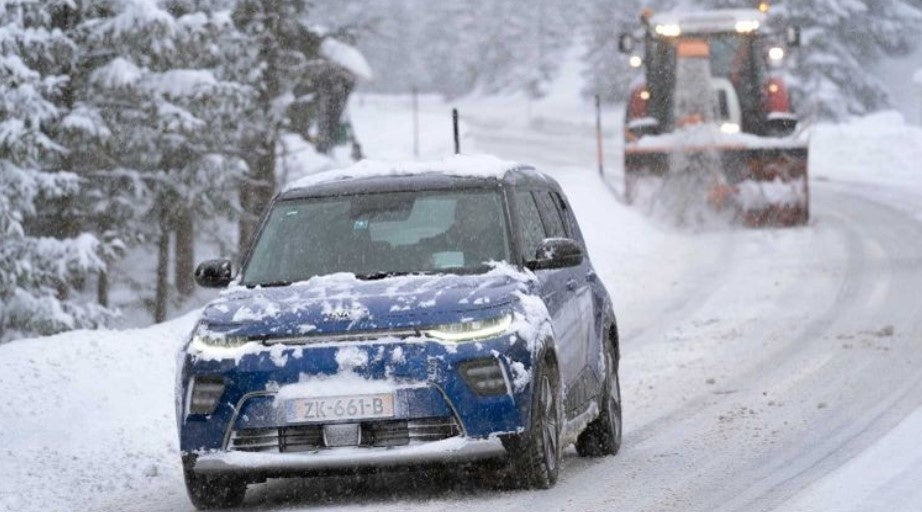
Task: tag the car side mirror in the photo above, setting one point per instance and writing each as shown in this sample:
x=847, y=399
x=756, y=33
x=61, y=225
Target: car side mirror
x=214, y=273
x=792, y=37
x=557, y=253
x=626, y=43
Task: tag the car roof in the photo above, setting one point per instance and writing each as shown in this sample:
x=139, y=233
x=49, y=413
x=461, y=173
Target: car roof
x=457, y=172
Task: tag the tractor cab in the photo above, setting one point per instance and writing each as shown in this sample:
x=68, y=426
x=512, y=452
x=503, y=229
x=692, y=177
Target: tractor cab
x=742, y=56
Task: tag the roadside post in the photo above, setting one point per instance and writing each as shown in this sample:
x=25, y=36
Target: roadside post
x=598, y=133
x=415, y=121
x=917, y=81
x=454, y=124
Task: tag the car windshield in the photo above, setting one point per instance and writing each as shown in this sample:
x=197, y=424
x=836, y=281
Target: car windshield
x=379, y=235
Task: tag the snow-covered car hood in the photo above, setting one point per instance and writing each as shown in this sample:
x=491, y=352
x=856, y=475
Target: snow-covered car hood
x=342, y=303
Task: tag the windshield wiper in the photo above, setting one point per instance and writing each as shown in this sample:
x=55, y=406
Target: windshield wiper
x=381, y=274
x=270, y=284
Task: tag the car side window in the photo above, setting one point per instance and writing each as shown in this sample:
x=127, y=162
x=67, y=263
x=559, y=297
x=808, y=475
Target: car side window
x=550, y=213
x=530, y=222
x=567, y=214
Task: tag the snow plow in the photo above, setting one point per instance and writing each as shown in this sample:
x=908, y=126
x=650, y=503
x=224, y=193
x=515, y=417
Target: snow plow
x=709, y=126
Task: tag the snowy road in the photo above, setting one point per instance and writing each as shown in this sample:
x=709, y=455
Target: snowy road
x=762, y=370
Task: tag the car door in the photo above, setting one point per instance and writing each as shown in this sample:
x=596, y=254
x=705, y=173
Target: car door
x=552, y=287
x=583, y=279
x=577, y=309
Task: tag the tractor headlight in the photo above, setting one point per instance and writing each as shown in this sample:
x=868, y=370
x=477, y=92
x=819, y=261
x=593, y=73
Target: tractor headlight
x=669, y=30
x=776, y=53
x=471, y=330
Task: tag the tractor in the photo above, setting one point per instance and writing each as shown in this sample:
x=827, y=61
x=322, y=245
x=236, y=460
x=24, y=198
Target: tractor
x=711, y=120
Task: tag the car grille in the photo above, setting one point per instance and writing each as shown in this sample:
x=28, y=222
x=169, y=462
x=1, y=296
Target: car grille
x=374, y=434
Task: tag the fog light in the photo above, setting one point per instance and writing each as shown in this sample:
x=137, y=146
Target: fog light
x=204, y=395
x=485, y=376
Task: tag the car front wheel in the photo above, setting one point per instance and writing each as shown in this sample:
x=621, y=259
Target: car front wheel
x=536, y=454
x=208, y=492
x=603, y=436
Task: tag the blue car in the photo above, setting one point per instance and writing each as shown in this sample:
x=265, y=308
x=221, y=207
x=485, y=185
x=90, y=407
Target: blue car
x=401, y=315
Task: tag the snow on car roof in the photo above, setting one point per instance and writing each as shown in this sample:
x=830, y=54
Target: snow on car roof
x=720, y=20
x=478, y=166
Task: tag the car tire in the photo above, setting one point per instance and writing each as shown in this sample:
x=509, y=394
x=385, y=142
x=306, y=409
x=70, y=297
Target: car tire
x=207, y=492
x=535, y=455
x=603, y=436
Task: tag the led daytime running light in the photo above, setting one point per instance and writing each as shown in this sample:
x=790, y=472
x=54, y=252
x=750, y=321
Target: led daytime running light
x=471, y=330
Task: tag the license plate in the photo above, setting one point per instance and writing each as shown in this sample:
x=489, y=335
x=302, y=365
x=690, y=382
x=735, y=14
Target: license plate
x=339, y=408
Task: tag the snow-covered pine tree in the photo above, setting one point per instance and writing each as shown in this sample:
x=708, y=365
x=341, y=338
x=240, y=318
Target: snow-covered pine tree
x=831, y=73
x=207, y=185
x=40, y=273
x=260, y=57
x=166, y=153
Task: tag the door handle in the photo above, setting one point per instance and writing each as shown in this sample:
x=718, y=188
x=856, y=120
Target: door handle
x=571, y=284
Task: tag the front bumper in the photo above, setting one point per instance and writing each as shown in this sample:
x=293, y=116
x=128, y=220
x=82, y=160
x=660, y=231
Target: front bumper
x=427, y=385
x=454, y=450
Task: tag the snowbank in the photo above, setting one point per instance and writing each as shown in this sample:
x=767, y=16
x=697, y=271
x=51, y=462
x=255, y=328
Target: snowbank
x=87, y=414
x=881, y=148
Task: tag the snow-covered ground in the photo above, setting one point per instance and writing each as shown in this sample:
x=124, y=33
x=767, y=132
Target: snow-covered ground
x=772, y=370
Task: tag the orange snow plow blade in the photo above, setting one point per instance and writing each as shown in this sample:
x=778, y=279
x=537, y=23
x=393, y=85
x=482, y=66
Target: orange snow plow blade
x=764, y=186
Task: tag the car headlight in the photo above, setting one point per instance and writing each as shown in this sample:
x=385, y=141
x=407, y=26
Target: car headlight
x=472, y=330
x=204, y=337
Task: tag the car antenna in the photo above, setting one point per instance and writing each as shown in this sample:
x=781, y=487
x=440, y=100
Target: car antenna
x=454, y=124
